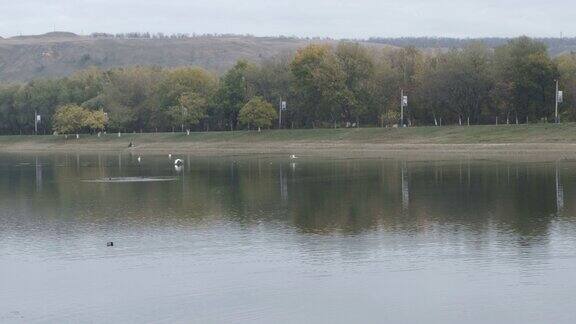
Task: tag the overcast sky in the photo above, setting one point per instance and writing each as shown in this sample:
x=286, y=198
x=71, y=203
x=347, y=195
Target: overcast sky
x=332, y=18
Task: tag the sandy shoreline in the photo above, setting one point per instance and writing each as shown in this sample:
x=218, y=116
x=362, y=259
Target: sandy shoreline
x=520, y=151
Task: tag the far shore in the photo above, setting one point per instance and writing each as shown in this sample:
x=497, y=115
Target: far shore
x=534, y=142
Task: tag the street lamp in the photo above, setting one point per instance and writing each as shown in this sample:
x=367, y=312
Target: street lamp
x=37, y=119
x=559, y=99
x=281, y=108
x=403, y=103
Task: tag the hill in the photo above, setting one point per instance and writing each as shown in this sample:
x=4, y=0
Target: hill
x=59, y=54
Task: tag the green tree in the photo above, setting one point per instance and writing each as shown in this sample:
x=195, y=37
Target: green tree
x=190, y=110
x=407, y=64
x=232, y=93
x=258, y=113
x=193, y=85
x=82, y=86
x=70, y=119
x=320, y=82
x=8, y=113
x=430, y=100
x=524, y=75
x=95, y=120
x=272, y=79
x=567, y=69
x=383, y=91
x=357, y=64
x=130, y=97
x=455, y=85
x=38, y=96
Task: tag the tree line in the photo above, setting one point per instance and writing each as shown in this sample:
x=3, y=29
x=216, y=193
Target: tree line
x=325, y=85
x=555, y=44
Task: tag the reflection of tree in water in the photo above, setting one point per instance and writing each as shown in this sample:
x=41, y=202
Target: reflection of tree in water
x=521, y=202
x=316, y=196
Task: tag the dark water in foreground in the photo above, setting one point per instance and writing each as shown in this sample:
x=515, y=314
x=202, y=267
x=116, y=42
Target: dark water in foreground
x=259, y=239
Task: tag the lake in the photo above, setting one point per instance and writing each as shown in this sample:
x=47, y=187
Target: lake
x=267, y=239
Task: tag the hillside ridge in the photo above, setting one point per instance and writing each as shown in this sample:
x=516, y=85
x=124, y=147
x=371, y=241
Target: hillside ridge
x=61, y=53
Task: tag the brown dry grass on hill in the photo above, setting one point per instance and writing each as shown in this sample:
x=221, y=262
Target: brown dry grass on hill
x=59, y=54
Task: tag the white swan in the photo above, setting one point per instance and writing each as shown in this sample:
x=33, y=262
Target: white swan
x=139, y=159
x=293, y=157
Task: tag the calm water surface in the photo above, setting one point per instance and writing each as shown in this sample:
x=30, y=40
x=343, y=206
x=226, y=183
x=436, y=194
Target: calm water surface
x=261, y=239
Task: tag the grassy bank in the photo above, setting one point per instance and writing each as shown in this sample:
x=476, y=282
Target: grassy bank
x=542, y=133
x=379, y=141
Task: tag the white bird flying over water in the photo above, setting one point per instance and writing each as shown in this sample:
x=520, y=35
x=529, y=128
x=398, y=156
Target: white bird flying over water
x=293, y=157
